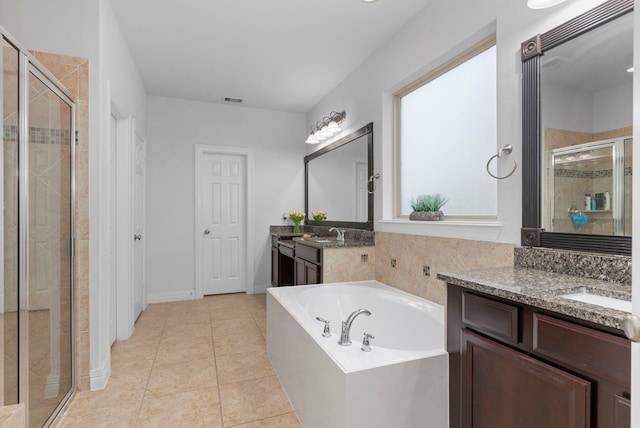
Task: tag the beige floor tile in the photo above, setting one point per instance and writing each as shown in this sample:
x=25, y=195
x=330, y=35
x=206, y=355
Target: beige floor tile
x=189, y=349
x=108, y=397
x=237, y=301
x=240, y=367
x=252, y=341
x=289, y=420
x=253, y=400
x=237, y=326
x=221, y=314
x=180, y=377
x=120, y=416
x=187, y=306
x=198, y=408
x=198, y=316
x=188, y=331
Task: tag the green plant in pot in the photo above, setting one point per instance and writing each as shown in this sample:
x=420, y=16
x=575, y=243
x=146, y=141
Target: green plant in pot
x=427, y=207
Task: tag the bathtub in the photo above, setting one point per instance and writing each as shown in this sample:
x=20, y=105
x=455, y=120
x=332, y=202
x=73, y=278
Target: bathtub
x=402, y=382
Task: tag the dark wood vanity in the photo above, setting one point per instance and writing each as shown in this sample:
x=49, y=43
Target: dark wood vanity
x=517, y=365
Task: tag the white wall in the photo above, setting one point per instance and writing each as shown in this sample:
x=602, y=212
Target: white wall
x=437, y=34
x=175, y=126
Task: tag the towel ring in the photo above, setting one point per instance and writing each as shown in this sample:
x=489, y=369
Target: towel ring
x=506, y=149
x=372, y=188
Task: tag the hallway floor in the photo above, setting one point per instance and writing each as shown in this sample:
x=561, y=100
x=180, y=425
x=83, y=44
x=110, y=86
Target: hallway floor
x=194, y=363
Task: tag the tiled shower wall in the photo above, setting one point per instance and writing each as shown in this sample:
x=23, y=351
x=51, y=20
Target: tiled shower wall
x=74, y=75
x=600, y=222
x=412, y=253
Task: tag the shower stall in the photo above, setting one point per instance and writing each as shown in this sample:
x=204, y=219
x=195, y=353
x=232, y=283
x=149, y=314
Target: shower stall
x=37, y=232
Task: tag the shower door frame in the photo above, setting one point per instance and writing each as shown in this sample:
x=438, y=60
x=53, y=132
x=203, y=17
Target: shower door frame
x=29, y=65
x=617, y=165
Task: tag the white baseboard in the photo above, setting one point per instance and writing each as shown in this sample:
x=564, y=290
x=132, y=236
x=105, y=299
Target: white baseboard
x=100, y=376
x=170, y=296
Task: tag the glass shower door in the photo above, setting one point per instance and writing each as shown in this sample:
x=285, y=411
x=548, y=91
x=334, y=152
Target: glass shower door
x=9, y=226
x=49, y=242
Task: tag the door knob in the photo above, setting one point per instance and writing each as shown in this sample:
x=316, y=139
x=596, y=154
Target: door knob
x=207, y=231
x=631, y=327
x=137, y=237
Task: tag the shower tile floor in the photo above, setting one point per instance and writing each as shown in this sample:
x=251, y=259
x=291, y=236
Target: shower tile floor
x=197, y=363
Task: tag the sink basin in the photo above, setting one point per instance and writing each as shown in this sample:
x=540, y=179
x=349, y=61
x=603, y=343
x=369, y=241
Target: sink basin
x=595, y=299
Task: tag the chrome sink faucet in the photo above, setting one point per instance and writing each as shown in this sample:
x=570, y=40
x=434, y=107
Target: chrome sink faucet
x=339, y=232
x=346, y=326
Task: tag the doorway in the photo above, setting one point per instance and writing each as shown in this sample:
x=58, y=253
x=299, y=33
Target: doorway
x=222, y=220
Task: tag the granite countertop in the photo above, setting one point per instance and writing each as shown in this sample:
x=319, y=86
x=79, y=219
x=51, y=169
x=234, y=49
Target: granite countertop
x=332, y=242
x=542, y=289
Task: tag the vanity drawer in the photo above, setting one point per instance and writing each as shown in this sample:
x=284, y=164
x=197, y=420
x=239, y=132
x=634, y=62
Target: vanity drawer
x=310, y=254
x=491, y=317
x=593, y=351
x=287, y=251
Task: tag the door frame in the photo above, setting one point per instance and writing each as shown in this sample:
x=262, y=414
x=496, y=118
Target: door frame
x=124, y=227
x=200, y=151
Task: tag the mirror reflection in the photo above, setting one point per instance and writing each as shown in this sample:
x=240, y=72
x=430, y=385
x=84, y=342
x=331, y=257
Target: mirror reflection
x=586, y=121
x=338, y=182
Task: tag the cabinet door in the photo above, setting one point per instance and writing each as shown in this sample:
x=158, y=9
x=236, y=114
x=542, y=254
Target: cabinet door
x=312, y=273
x=503, y=388
x=300, y=272
x=274, y=266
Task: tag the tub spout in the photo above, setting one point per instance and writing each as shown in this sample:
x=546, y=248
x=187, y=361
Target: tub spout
x=346, y=326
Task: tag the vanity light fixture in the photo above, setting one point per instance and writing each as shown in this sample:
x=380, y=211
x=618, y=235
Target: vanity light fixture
x=542, y=4
x=329, y=127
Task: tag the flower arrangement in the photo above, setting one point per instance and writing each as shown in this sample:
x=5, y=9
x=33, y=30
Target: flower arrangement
x=296, y=217
x=318, y=215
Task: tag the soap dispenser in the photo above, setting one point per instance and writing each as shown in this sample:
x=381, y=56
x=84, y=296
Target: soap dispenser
x=587, y=201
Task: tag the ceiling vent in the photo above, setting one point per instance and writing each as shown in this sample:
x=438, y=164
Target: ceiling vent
x=232, y=100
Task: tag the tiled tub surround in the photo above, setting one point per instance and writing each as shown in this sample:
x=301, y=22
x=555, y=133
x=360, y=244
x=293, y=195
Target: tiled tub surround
x=412, y=253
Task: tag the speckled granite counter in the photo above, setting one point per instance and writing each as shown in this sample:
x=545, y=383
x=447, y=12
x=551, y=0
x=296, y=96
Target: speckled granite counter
x=542, y=289
x=325, y=242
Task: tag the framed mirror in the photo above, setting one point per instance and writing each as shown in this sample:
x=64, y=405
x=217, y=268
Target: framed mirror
x=338, y=181
x=577, y=133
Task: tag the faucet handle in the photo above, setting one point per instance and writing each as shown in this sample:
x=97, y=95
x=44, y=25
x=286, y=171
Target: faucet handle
x=366, y=346
x=327, y=329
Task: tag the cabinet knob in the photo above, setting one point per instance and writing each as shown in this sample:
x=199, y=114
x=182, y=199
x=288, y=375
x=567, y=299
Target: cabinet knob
x=631, y=327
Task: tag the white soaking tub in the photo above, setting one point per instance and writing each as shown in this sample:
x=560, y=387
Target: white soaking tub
x=402, y=382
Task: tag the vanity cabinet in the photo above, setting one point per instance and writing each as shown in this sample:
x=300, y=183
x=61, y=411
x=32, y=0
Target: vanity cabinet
x=514, y=365
x=282, y=263
x=308, y=265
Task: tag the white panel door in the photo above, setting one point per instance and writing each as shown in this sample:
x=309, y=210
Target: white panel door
x=139, y=195
x=223, y=228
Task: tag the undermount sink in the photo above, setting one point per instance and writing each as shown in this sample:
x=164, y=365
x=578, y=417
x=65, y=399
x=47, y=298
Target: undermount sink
x=323, y=240
x=595, y=299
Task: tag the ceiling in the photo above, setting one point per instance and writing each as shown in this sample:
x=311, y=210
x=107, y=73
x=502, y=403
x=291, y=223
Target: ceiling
x=280, y=54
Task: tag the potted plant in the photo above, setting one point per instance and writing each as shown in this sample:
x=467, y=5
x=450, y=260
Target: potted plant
x=296, y=217
x=319, y=215
x=427, y=207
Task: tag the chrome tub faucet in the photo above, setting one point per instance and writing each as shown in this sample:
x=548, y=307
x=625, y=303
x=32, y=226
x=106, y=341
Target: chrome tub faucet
x=346, y=326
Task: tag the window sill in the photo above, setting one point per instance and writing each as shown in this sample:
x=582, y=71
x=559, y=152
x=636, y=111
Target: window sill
x=481, y=230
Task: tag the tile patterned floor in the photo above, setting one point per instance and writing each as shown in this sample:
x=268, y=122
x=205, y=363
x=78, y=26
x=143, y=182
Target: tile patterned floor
x=198, y=363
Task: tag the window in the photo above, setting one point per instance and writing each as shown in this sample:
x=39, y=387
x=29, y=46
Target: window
x=446, y=132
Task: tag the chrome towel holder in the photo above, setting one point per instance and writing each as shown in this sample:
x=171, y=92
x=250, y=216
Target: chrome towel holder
x=505, y=150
